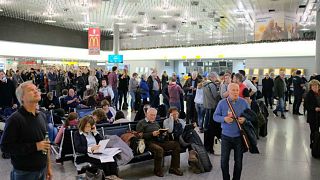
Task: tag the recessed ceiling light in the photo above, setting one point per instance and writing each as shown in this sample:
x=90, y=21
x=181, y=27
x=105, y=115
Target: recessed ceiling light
x=85, y=28
x=145, y=30
x=50, y=21
x=120, y=23
x=304, y=29
x=165, y=16
x=1, y=10
x=84, y=13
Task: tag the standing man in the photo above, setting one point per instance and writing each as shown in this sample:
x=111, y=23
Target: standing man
x=231, y=138
x=24, y=137
x=279, y=93
x=210, y=101
x=154, y=84
x=52, y=79
x=190, y=88
x=7, y=89
x=113, y=82
x=157, y=145
x=298, y=91
x=267, y=88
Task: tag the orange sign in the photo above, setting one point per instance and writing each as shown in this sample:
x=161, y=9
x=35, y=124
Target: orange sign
x=94, y=41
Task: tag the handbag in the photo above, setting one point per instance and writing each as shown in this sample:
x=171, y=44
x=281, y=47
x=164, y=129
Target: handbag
x=94, y=174
x=243, y=134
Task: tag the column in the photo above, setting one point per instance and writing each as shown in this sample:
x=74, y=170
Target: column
x=116, y=39
x=317, y=65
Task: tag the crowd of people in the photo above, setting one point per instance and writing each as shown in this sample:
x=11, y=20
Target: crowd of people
x=205, y=97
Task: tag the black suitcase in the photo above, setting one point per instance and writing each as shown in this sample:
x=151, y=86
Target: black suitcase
x=263, y=131
x=204, y=164
x=315, y=150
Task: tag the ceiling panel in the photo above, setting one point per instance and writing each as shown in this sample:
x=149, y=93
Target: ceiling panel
x=188, y=20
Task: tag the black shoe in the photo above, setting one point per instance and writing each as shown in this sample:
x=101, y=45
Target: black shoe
x=298, y=113
x=271, y=107
x=176, y=172
x=282, y=116
x=275, y=113
x=286, y=110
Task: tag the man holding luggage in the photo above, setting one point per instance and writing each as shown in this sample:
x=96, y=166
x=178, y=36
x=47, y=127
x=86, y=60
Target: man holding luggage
x=231, y=138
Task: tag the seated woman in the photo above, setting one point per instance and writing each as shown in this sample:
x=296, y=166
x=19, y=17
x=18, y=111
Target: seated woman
x=120, y=118
x=100, y=116
x=50, y=102
x=110, y=111
x=86, y=141
x=72, y=120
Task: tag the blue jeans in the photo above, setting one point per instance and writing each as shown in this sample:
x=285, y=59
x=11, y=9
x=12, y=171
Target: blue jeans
x=28, y=175
x=227, y=144
x=280, y=105
x=176, y=104
x=200, y=112
x=133, y=99
x=52, y=132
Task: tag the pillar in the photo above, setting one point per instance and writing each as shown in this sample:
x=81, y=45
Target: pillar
x=116, y=39
x=317, y=65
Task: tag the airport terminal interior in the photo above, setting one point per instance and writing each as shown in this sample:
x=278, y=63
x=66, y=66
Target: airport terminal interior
x=67, y=65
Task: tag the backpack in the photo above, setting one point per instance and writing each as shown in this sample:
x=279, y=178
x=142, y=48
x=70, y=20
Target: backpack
x=94, y=174
x=218, y=97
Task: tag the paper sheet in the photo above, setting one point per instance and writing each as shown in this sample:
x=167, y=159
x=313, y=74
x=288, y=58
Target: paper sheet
x=107, y=155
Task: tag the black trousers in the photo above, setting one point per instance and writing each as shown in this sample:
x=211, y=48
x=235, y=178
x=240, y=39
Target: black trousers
x=122, y=94
x=268, y=99
x=314, y=127
x=191, y=110
x=296, y=103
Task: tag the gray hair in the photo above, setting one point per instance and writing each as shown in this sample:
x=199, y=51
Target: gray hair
x=194, y=73
x=143, y=76
x=20, y=90
x=152, y=109
x=213, y=75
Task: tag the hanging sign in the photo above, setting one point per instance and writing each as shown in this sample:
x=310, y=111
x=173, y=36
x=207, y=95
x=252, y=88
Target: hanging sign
x=94, y=41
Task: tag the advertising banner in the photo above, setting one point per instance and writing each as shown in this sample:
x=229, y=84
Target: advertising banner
x=270, y=27
x=94, y=41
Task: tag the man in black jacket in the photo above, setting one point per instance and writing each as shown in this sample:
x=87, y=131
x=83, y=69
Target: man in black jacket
x=190, y=88
x=7, y=89
x=267, y=86
x=298, y=91
x=24, y=137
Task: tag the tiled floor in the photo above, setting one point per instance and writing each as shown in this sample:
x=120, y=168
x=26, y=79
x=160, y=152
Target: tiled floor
x=285, y=155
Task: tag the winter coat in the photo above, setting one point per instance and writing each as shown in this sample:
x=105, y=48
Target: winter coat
x=126, y=153
x=210, y=95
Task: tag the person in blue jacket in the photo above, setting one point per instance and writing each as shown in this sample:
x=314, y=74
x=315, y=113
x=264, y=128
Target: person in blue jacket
x=144, y=89
x=231, y=138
